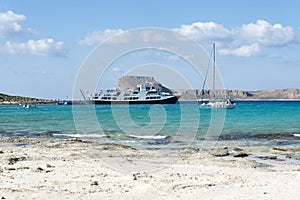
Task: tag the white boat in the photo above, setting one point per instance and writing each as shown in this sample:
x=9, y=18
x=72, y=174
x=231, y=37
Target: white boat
x=143, y=94
x=29, y=106
x=218, y=104
x=213, y=103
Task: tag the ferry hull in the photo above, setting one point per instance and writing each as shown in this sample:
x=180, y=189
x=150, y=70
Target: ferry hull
x=171, y=100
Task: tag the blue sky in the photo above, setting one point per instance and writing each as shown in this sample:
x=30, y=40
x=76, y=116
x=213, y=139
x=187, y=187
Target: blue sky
x=44, y=43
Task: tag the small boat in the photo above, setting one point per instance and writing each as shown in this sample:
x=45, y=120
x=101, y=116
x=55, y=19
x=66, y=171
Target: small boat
x=228, y=104
x=143, y=94
x=29, y=106
x=64, y=103
x=214, y=103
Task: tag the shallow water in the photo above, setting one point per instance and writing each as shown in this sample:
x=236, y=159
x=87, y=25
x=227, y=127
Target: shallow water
x=181, y=124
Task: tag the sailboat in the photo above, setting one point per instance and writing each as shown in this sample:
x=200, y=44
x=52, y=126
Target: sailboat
x=213, y=103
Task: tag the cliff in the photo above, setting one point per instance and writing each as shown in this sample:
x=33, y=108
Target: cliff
x=192, y=95
x=130, y=82
x=284, y=94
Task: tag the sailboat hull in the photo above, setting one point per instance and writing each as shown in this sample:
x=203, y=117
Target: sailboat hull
x=218, y=104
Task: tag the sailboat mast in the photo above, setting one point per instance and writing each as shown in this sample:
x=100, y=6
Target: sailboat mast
x=214, y=71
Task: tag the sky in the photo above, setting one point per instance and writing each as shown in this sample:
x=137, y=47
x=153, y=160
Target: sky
x=43, y=44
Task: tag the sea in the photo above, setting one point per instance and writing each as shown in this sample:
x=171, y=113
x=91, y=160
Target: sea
x=181, y=125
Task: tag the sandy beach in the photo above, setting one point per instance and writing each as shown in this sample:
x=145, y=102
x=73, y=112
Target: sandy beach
x=74, y=169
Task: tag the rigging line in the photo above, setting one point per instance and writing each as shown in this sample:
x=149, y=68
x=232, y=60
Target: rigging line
x=202, y=91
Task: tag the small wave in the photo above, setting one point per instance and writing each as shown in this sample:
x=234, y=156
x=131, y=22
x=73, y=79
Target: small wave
x=82, y=135
x=297, y=135
x=153, y=137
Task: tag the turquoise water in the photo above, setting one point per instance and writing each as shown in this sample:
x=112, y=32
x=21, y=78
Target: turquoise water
x=265, y=123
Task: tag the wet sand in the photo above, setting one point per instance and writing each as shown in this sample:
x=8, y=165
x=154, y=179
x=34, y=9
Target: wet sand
x=74, y=169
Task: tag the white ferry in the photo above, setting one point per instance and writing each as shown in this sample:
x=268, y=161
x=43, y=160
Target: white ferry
x=143, y=94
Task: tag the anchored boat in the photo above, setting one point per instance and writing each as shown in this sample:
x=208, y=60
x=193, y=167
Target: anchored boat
x=214, y=103
x=143, y=94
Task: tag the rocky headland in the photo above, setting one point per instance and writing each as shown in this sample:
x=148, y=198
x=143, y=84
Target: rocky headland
x=129, y=82
x=282, y=94
x=195, y=94
x=15, y=100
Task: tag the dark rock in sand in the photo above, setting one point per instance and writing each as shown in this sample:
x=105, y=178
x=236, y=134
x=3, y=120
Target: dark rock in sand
x=39, y=169
x=237, y=149
x=241, y=155
x=1, y=152
x=220, y=153
x=12, y=161
x=135, y=176
x=49, y=166
x=278, y=149
x=95, y=183
x=272, y=157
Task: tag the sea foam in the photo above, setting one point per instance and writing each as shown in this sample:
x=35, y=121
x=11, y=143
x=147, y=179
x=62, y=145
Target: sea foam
x=158, y=137
x=82, y=135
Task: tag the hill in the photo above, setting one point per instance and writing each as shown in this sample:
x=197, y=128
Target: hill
x=127, y=82
x=192, y=95
x=283, y=94
x=14, y=100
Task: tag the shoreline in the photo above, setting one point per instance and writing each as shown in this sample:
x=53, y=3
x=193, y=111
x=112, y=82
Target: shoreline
x=79, y=169
x=248, y=100
x=80, y=102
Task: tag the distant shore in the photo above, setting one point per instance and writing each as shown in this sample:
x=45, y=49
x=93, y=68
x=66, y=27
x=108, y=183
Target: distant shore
x=27, y=102
x=183, y=101
x=245, y=100
x=186, y=95
x=6, y=99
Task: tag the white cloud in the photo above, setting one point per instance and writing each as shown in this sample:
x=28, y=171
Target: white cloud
x=244, y=40
x=10, y=28
x=264, y=33
x=42, y=47
x=9, y=24
x=116, y=69
x=202, y=31
x=246, y=50
x=99, y=36
x=10, y=16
